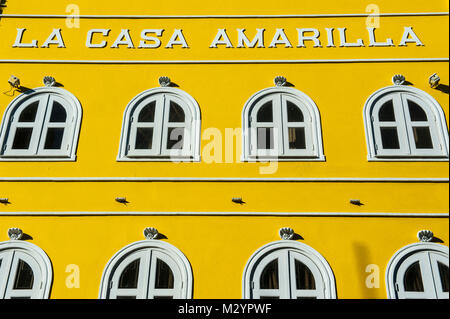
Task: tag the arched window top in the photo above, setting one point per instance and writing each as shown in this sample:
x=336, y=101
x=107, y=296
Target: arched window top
x=25, y=271
x=161, y=124
x=419, y=271
x=288, y=270
x=148, y=269
x=281, y=123
x=405, y=123
x=41, y=124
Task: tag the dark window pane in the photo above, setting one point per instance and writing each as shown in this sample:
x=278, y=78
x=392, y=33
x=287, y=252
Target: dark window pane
x=265, y=138
x=273, y=298
x=176, y=113
x=175, y=138
x=416, y=112
x=304, y=277
x=163, y=297
x=269, y=276
x=389, y=138
x=144, y=138
x=147, y=113
x=54, y=138
x=306, y=297
x=130, y=275
x=29, y=113
x=59, y=114
x=22, y=138
x=443, y=273
x=294, y=113
x=265, y=113
x=20, y=297
x=126, y=297
x=164, y=276
x=413, y=278
x=24, y=276
x=422, y=137
x=297, y=139
x=386, y=113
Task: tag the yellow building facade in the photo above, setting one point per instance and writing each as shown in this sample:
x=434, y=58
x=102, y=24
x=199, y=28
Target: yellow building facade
x=293, y=151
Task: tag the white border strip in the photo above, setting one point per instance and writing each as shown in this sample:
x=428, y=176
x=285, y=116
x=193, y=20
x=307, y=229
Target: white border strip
x=263, y=214
x=257, y=16
x=227, y=179
x=225, y=61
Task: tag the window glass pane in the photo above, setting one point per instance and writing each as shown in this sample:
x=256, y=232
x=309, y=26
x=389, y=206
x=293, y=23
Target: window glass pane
x=54, y=138
x=147, y=113
x=389, y=138
x=386, y=113
x=269, y=276
x=130, y=275
x=22, y=138
x=164, y=276
x=59, y=114
x=29, y=113
x=413, y=278
x=304, y=277
x=144, y=138
x=175, y=138
x=297, y=138
x=265, y=138
x=265, y=113
x=443, y=273
x=176, y=113
x=416, y=112
x=294, y=113
x=24, y=276
x=422, y=137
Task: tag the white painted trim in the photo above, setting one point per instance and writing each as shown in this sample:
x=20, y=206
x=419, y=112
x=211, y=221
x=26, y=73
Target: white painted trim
x=381, y=60
x=231, y=179
x=279, y=214
x=315, y=256
x=41, y=258
x=400, y=255
x=261, y=16
x=172, y=251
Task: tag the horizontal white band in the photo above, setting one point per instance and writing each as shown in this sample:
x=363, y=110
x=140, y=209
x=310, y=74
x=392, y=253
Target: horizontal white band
x=228, y=179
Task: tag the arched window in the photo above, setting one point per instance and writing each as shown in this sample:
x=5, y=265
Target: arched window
x=41, y=124
x=25, y=271
x=419, y=271
x=405, y=123
x=288, y=270
x=161, y=124
x=281, y=123
x=147, y=270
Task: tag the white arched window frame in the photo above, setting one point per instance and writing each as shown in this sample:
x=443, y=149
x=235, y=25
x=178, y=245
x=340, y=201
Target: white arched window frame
x=42, y=124
x=426, y=257
x=286, y=255
x=421, y=136
x=147, y=255
x=289, y=136
x=25, y=271
x=158, y=131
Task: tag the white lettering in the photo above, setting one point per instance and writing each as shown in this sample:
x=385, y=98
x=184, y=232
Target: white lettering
x=243, y=40
x=90, y=34
x=156, y=42
x=124, y=38
x=280, y=38
x=56, y=33
x=19, y=44
x=330, y=35
x=344, y=43
x=177, y=34
x=221, y=39
x=302, y=38
x=410, y=33
x=373, y=41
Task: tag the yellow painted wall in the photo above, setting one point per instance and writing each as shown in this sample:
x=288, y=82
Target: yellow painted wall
x=219, y=246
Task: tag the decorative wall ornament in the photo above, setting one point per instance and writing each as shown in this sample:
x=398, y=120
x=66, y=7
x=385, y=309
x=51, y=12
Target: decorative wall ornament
x=122, y=200
x=164, y=81
x=398, y=79
x=280, y=81
x=15, y=233
x=434, y=80
x=151, y=233
x=14, y=81
x=49, y=81
x=286, y=233
x=4, y=200
x=425, y=236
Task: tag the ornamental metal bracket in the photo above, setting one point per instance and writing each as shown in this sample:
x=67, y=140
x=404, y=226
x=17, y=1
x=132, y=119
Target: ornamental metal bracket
x=398, y=79
x=164, y=81
x=434, y=81
x=425, y=236
x=151, y=233
x=15, y=233
x=280, y=81
x=49, y=81
x=286, y=233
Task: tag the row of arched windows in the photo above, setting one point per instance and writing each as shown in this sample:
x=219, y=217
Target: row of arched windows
x=278, y=123
x=285, y=269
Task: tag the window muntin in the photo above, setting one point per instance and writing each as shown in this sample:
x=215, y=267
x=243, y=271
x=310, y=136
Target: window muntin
x=41, y=124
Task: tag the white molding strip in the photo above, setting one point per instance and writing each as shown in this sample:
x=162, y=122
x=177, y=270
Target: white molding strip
x=277, y=214
x=212, y=16
x=228, y=179
x=225, y=61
